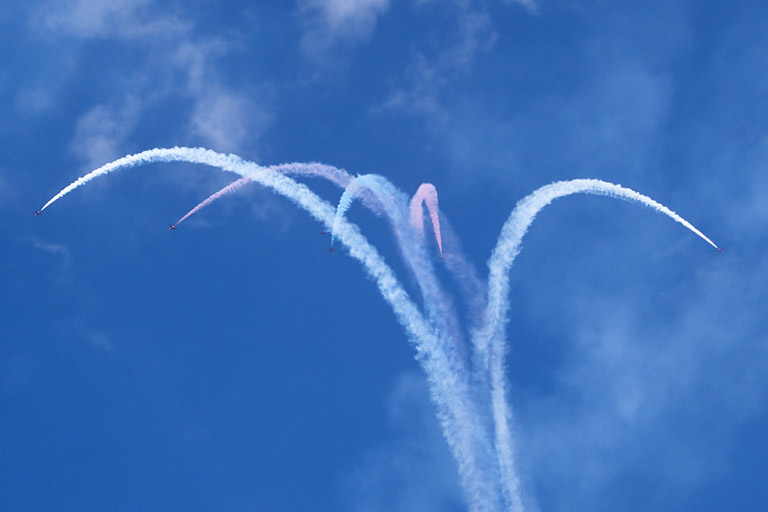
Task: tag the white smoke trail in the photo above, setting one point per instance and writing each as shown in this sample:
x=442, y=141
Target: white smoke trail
x=383, y=198
x=481, y=491
x=351, y=191
x=491, y=339
x=472, y=287
x=440, y=309
x=333, y=174
x=392, y=203
x=374, y=191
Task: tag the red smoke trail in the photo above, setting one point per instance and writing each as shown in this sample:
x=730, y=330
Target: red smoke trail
x=426, y=194
x=232, y=187
x=337, y=176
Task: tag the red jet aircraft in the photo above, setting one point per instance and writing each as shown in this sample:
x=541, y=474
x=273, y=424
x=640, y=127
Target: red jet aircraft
x=173, y=226
x=38, y=212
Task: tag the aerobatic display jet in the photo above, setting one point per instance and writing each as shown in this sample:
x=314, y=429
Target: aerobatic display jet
x=330, y=250
x=38, y=212
x=719, y=249
x=323, y=232
x=173, y=226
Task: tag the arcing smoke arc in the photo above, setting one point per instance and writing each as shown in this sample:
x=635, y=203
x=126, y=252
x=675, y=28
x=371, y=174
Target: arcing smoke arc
x=467, y=383
x=426, y=194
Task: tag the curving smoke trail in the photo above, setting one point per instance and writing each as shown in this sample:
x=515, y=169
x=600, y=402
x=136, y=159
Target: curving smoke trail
x=393, y=204
x=481, y=491
x=471, y=285
x=351, y=191
x=383, y=191
x=486, y=462
x=229, y=189
x=490, y=341
x=338, y=176
x=385, y=199
x=465, y=274
x=426, y=194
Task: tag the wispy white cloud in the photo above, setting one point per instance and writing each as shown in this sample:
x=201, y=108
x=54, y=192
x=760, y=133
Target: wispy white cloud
x=338, y=21
x=101, y=133
x=225, y=119
x=110, y=19
x=179, y=65
x=531, y=5
x=8, y=193
x=62, y=251
x=100, y=341
x=60, y=257
x=34, y=100
x=657, y=401
x=428, y=74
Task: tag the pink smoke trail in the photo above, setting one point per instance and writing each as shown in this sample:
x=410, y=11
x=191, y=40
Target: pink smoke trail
x=337, y=176
x=229, y=189
x=382, y=198
x=454, y=409
x=426, y=194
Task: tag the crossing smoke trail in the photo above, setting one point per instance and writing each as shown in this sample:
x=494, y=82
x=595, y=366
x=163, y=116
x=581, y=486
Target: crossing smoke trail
x=351, y=191
x=480, y=490
x=333, y=174
x=390, y=202
x=486, y=468
x=393, y=202
x=439, y=309
x=472, y=287
x=382, y=191
x=387, y=200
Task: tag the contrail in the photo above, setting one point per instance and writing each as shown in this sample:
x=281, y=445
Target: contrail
x=427, y=194
x=480, y=490
x=491, y=341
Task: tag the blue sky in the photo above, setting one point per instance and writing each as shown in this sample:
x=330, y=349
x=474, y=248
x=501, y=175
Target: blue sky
x=236, y=365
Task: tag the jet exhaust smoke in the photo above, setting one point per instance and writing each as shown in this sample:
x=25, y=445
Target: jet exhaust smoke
x=474, y=413
x=426, y=194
